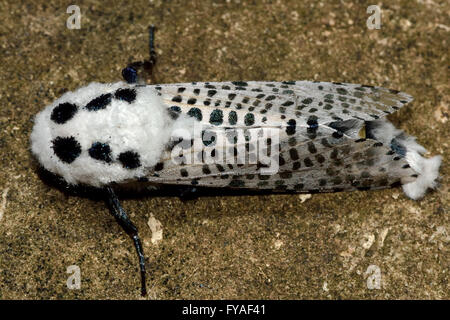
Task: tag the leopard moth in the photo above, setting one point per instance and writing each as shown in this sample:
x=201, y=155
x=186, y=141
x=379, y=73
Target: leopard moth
x=330, y=136
x=289, y=136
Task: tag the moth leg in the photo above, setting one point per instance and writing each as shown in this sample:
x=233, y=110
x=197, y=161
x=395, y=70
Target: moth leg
x=142, y=71
x=122, y=218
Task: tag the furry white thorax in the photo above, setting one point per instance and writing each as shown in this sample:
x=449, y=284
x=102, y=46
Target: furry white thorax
x=143, y=126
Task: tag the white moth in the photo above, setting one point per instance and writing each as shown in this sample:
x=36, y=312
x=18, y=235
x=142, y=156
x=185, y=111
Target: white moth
x=292, y=136
x=331, y=136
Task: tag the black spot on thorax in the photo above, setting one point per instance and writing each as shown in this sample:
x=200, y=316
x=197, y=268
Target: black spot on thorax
x=63, y=112
x=129, y=159
x=66, y=148
x=128, y=95
x=99, y=103
x=100, y=151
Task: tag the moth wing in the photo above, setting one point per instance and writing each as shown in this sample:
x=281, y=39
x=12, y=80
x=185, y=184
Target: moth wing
x=271, y=101
x=320, y=158
x=325, y=163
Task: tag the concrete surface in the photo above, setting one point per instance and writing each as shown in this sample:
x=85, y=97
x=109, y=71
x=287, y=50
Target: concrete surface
x=328, y=246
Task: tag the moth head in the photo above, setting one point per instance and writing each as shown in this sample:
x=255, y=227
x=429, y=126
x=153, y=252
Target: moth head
x=101, y=133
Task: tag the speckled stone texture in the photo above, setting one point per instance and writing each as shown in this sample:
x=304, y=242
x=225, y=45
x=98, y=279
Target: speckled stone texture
x=268, y=247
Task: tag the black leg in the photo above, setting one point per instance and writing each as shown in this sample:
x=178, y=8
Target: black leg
x=122, y=218
x=142, y=71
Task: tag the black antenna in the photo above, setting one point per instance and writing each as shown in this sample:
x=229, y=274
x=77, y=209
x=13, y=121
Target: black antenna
x=151, y=40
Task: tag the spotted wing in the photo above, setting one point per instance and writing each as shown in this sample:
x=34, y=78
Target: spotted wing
x=270, y=102
x=325, y=163
x=310, y=153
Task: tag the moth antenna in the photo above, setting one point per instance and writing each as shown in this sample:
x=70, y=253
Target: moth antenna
x=122, y=218
x=151, y=40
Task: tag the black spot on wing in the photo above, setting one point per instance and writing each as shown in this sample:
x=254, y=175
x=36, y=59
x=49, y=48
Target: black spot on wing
x=249, y=119
x=288, y=103
x=67, y=149
x=216, y=117
x=240, y=83
x=174, y=112
x=231, y=96
x=232, y=117
x=192, y=101
x=196, y=113
x=313, y=126
x=177, y=99
x=211, y=93
x=290, y=129
x=342, y=91
x=308, y=162
x=63, y=112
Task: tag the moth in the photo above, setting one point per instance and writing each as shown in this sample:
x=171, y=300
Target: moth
x=290, y=136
